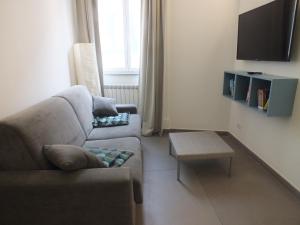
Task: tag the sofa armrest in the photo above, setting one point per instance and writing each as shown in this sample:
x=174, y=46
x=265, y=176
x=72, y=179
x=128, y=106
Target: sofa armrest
x=131, y=108
x=94, y=196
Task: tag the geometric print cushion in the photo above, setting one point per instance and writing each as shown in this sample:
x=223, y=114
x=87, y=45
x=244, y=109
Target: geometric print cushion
x=121, y=119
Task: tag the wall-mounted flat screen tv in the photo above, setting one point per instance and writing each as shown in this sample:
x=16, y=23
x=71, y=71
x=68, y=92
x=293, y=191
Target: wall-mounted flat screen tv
x=266, y=33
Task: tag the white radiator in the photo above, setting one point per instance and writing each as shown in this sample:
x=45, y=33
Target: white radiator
x=124, y=94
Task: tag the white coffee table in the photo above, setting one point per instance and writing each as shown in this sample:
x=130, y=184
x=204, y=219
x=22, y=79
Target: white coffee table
x=199, y=145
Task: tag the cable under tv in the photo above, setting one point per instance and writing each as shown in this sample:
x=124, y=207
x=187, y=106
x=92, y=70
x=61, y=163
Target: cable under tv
x=255, y=73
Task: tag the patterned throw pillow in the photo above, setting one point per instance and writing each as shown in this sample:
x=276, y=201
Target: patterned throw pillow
x=121, y=120
x=110, y=157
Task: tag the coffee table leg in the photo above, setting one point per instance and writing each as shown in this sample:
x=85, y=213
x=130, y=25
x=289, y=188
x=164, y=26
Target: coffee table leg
x=178, y=170
x=230, y=166
x=170, y=148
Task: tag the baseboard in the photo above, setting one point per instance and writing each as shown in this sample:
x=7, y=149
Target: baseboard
x=167, y=131
x=252, y=155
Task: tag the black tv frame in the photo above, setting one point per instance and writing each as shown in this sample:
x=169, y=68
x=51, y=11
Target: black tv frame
x=287, y=57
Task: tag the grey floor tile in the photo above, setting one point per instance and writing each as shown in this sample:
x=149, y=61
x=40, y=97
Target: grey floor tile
x=252, y=196
x=168, y=201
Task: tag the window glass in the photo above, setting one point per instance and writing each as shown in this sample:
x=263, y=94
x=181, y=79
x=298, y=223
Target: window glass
x=134, y=30
x=120, y=22
x=112, y=35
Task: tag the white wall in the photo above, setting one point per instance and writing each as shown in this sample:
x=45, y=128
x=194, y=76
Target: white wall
x=275, y=140
x=199, y=46
x=35, y=40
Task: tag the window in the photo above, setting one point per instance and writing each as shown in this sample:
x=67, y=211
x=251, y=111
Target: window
x=119, y=22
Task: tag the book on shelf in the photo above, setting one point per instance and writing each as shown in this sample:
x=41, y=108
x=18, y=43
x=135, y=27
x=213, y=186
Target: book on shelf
x=262, y=96
x=231, y=87
x=248, y=94
x=266, y=105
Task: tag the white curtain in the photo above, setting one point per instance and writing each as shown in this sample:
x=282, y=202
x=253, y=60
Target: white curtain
x=152, y=66
x=88, y=29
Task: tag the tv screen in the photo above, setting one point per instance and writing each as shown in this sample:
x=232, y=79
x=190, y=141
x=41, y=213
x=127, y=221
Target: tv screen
x=266, y=33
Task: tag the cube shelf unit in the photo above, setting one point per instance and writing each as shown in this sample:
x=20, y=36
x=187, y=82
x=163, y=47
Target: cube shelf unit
x=282, y=91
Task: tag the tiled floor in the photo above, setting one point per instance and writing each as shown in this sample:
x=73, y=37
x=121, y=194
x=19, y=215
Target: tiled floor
x=207, y=196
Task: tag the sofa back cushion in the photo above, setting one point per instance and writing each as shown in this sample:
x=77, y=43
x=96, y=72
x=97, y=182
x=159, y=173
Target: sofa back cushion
x=82, y=102
x=22, y=136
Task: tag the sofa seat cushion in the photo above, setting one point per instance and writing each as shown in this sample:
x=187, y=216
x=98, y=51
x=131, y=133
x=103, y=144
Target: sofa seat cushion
x=135, y=163
x=133, y=129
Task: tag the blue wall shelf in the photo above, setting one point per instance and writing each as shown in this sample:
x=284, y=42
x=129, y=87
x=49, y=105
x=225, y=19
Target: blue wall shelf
x=282, y=91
